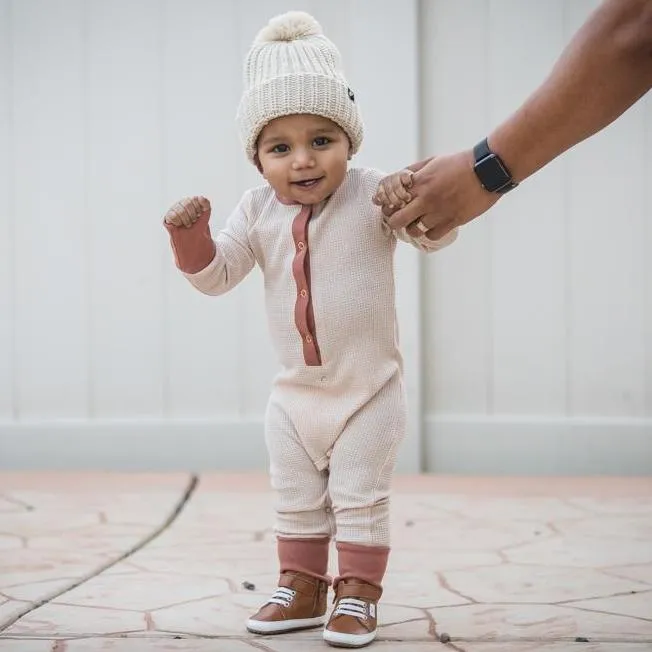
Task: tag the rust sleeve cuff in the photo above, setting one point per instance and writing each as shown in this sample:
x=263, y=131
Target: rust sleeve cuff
x=193, y=247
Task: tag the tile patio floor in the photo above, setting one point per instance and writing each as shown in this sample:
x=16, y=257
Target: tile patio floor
x=136, y=562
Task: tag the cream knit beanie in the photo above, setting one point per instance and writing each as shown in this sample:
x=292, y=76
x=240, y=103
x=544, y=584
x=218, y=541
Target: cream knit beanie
x=293, y=68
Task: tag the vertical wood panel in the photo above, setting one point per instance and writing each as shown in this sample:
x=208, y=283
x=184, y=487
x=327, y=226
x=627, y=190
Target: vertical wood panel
x=125, y=192
x=201, y=87
x=647, y=246
x=6, y=216
x=457, y=292
x=528, y=226
x=609, y=270
x=389, y=149
x=335, y=18
x=607, y=204
x=384, y=147
x=51, y=309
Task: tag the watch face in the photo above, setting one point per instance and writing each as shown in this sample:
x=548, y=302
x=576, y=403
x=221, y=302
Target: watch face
x=491, y=173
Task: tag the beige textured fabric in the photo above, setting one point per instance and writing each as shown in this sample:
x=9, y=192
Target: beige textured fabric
x=349, y=413
x=293, y=68
x=351, y=498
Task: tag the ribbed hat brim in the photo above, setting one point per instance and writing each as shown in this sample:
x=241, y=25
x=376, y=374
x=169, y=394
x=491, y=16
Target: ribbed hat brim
x=298, y=93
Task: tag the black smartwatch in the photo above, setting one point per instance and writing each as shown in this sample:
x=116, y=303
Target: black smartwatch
x=490, y=170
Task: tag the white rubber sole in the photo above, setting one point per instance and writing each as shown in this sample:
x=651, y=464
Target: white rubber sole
x=281, y=626
x=336, y=639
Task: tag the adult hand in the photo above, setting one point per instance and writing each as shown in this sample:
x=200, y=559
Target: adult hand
x=446, y=194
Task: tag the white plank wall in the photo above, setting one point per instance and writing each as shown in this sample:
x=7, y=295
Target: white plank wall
x=528, y=344
x=539, y=321
x=7, y=225
x=110, y=112
x=50, y=271
x=208, y=342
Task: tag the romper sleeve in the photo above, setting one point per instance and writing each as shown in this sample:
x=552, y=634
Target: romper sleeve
x=425, y=244
x=214, y=265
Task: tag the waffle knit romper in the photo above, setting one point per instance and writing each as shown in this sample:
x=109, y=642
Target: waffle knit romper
x=336, y=414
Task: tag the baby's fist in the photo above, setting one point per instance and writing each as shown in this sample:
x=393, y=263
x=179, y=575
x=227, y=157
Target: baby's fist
x=187, y=211
x=392, y=190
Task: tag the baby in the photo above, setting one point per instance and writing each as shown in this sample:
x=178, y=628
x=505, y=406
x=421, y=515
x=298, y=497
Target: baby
x=336, y=413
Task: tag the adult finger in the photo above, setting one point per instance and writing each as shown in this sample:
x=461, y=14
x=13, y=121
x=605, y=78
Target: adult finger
x=417, y=229
x=405, y=216
x=440, y=231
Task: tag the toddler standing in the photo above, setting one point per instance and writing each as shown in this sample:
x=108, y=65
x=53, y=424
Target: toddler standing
x=336, y=414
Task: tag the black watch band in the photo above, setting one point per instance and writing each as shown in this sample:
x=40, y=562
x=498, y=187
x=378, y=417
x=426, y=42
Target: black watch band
x=481, y=150
x=490, y=170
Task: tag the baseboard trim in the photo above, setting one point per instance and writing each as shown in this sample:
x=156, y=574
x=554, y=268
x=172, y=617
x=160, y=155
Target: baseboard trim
x=541, y=446
x=451, y=445
x=194, y=445
x=133, y=445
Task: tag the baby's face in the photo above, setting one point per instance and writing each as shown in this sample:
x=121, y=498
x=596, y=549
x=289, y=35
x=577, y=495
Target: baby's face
x=303, y=157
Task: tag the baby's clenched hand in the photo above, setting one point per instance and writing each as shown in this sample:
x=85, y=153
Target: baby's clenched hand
x=393, y=192
x=187, y=211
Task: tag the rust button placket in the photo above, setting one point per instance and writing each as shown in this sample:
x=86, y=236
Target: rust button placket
x=304, y=318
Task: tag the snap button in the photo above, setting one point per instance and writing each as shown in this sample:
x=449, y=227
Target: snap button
x=301, y=245
x=309, y=339
x=328, y=453
x=303, y=293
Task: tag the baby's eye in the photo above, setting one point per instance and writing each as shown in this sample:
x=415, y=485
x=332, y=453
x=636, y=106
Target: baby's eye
x=320, y=141
x=280, y=149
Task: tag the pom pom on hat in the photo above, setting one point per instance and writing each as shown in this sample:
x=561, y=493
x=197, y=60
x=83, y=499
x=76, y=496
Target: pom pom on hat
x=292, y=68
x=289, y=27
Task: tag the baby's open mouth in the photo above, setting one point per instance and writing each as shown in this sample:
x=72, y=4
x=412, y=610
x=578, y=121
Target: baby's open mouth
x=307, y=183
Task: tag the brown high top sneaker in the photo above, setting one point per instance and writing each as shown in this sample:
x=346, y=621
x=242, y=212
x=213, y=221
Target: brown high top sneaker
x=354, y=618
x=299, y=602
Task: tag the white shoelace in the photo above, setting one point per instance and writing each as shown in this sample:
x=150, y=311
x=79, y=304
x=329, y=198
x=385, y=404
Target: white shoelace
x=283, y=596
x=355, y=608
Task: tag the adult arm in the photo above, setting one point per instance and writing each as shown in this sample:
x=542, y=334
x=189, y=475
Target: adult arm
x=604, y=69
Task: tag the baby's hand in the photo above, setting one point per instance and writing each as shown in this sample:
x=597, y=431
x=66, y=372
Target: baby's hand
x=393, y=192
x=187, y=211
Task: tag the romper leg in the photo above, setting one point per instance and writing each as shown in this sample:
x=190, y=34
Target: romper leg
x=302, y=502
x=362, y=464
